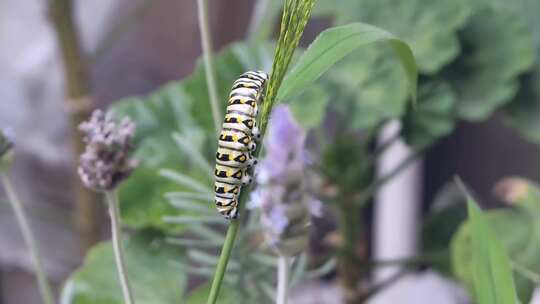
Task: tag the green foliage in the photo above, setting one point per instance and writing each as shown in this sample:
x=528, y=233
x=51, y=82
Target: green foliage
x=309, y=107
x=334, y=44
x=447, y=212
x=433, y=117
x=152, y=267
x=478, y=48
x=493, y=280
x=523, y=112
x=515, y=228
x=428, y=26
x=344, y=163
x=498, y=48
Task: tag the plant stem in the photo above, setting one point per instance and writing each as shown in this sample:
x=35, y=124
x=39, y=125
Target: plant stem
x=223, y=260
x=206, y=41
x=283, y=280
x=349, y=266
x=88, y=210
x=22, y=220
x=116, y=229
x=291, y=28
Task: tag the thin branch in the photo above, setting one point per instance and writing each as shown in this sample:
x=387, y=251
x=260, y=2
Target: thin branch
x=78, y=105
x=206, y=41
x=383, y=285
x=116, y=230
x=22, y=220
x=283, y=280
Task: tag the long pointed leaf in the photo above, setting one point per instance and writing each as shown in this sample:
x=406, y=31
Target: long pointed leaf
x=334, y=44
x=493, y=278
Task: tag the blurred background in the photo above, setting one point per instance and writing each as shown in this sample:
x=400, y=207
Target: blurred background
x=133, y=47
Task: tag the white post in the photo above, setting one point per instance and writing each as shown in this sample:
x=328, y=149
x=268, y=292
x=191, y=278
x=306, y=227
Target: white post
x=397, y=206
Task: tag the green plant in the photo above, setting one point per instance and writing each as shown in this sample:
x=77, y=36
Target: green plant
x=469, y=58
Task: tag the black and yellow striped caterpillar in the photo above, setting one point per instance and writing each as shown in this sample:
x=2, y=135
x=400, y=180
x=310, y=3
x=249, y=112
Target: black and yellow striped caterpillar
x=237, y=141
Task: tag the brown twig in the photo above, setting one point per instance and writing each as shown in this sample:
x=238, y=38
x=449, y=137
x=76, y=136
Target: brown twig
x=88, y=210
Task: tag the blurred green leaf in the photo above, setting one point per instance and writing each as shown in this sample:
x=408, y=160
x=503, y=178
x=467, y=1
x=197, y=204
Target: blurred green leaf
x=150, y=263
x=334, y=44
x=432, y=118
x=515, y=227
x=359, y=87
x=523, y=112
x=428, y=26
x=493, y=279
x=180, y=108
x=446, y=214
x=498, y=47
x=309, y=108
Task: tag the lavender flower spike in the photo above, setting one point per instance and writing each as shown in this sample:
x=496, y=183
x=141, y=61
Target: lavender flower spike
x=105, y=162
x=282, y=192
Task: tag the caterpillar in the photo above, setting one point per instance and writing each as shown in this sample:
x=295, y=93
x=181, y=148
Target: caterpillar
x=237, y=142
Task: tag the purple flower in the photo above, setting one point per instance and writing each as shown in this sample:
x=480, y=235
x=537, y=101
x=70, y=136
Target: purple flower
x=105, y=162
x=282, y=193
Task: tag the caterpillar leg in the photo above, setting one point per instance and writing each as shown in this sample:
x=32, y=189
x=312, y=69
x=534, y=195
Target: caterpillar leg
x=246, y=179
x=252, y=146
x=256, y=133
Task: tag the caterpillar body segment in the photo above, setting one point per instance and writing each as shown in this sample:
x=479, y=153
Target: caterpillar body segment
x=234, y=158
x=237, y=141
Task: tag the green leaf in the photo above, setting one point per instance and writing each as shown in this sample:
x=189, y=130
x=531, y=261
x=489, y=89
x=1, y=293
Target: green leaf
x=334, y=44
x=499, y=48
x=517, y=228
x=154, y=276
x=523, y=112
x=433, y=117
x=182, y=109
x=428, y=26
x=309, y=108
x=493, y=279
x=447, y=212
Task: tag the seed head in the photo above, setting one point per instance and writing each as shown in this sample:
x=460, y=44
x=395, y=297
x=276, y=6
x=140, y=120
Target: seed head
x=105, y=161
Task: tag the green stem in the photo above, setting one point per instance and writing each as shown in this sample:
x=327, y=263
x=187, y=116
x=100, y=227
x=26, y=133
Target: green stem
x=283, y=280
x=349, y=267
x=22, y=220
x=116, y=229
x=223, y=261
x=206, y=41
x=291, y=28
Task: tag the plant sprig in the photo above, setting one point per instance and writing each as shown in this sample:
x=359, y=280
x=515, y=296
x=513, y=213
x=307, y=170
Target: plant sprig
x=296, y=14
